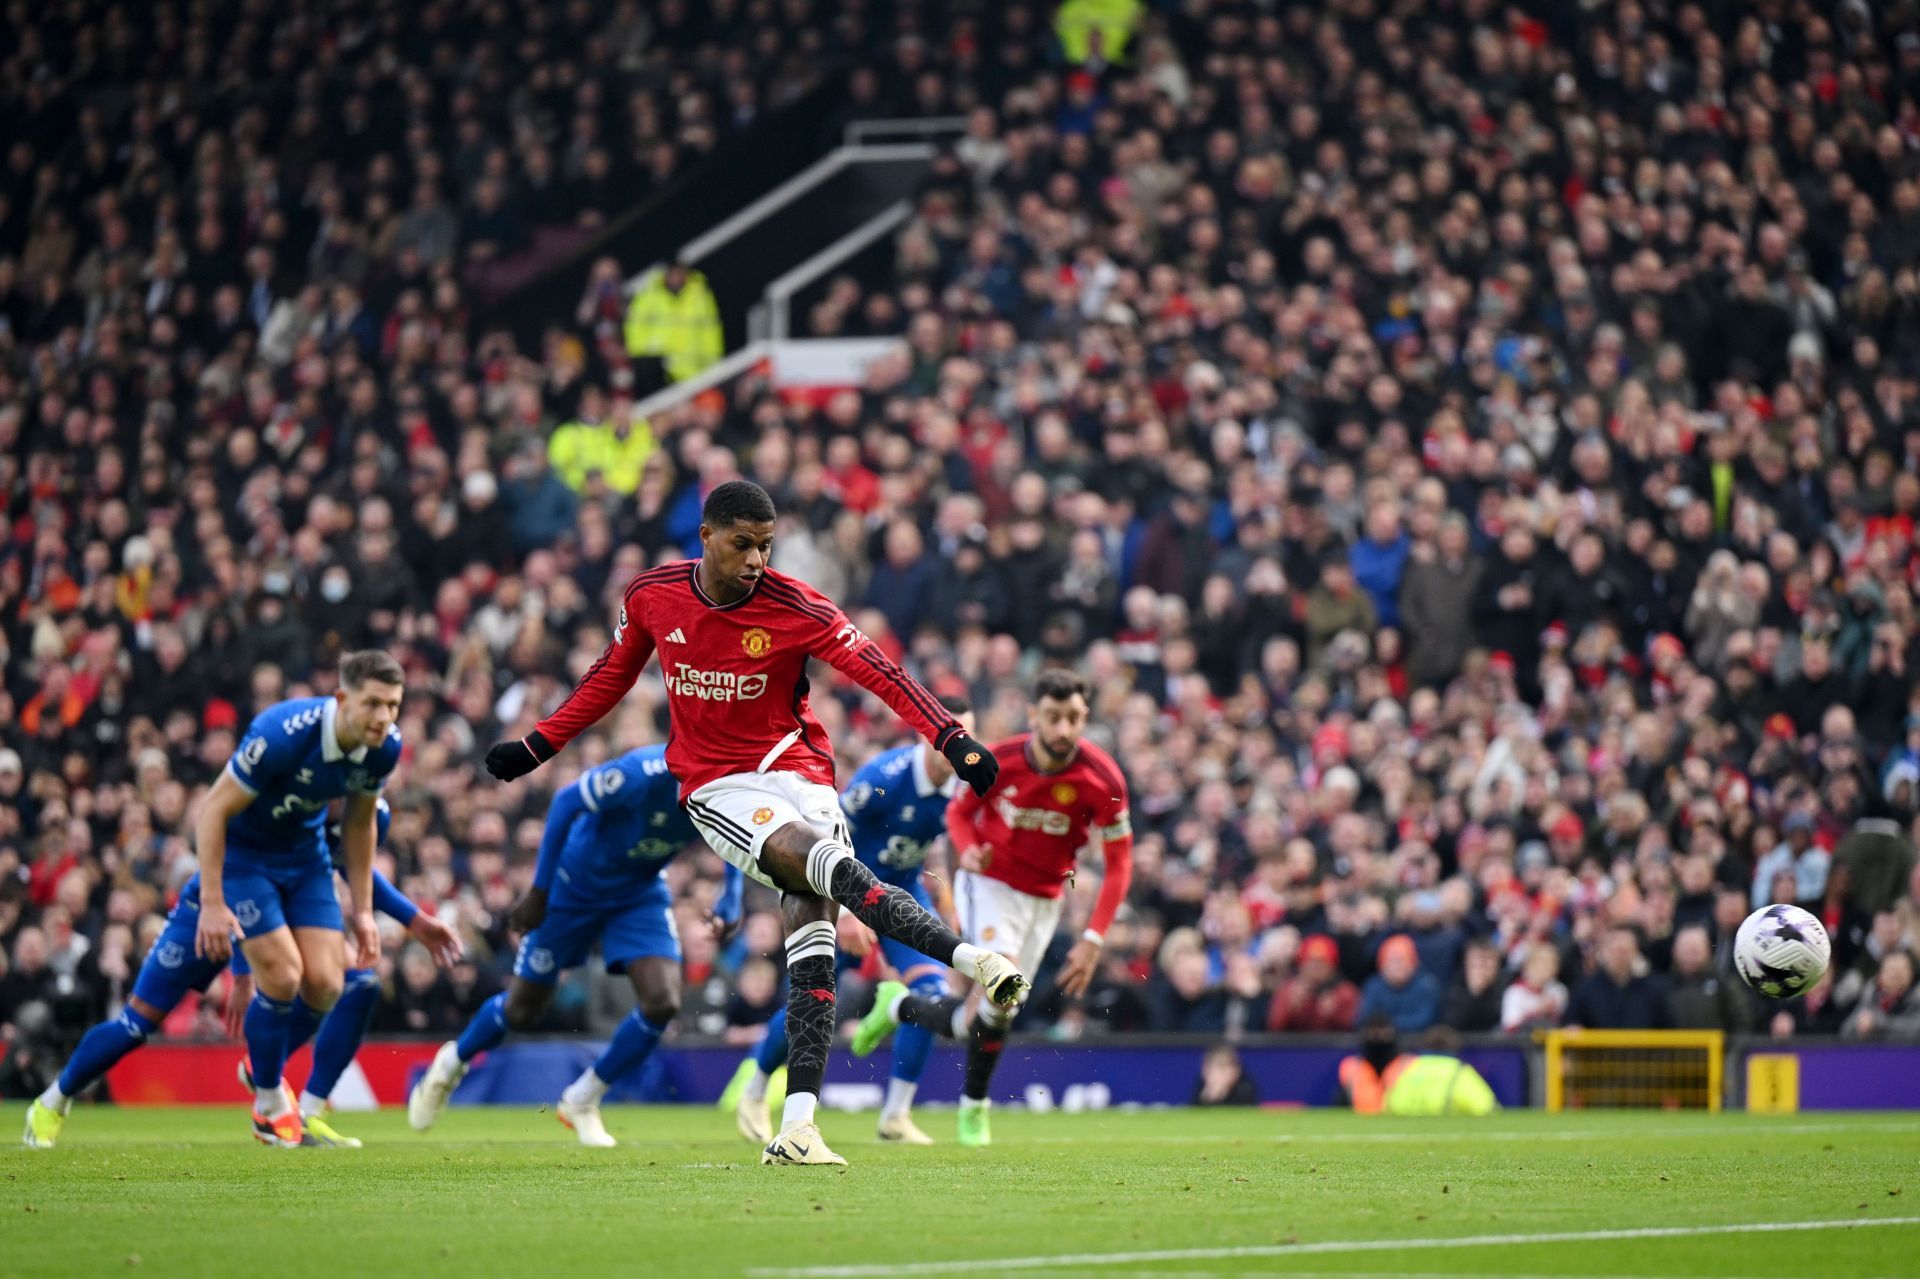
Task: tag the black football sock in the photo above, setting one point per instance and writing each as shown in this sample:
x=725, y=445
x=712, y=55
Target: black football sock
x=810, y=1006
x=983, y=1056
x=890, y=911
x=944, y=1015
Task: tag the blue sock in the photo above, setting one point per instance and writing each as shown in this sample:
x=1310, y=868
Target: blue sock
x=265, y=1029
x=772, y=1052
x=913, y=1044
x=344, y=1028
x=632, y=1043
x=104, y=1045
x=486, y=1030
x=301, y=1023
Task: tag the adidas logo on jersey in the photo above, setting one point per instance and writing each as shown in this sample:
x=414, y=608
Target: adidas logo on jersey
x=675, y=636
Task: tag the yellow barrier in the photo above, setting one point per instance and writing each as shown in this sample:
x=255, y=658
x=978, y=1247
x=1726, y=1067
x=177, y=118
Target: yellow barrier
x=1773, y=1083
x=1634, y=1069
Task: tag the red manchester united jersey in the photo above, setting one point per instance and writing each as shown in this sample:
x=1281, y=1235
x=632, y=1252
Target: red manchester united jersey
x=1036, y=823
x=736, y=676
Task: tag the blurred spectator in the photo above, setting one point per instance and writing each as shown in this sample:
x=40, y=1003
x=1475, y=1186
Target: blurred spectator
x=1700, y=998
x=1890, y=1007
x=1400, y=991
x=1619, y=994
x=1223, y=1081
x=1316, y=999
x=1797, y=853
x=1473, y=1002
x=756, y=996
x=1535, y=999
x=1184, y=999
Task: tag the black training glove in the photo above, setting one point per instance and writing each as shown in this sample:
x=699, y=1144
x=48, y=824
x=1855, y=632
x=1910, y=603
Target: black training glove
x=508, y=760
x=973, y=762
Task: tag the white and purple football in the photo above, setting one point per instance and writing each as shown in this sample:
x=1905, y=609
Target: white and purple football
x=1781, y=950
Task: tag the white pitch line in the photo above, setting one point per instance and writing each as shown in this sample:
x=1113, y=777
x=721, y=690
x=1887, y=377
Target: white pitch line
x=1087, y=1259
x=1364, y=1274
x=1582, y=1134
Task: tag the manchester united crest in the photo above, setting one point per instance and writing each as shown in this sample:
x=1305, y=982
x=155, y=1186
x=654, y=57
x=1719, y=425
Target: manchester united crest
x=757, y=642
x=1064, y=793
x=761, y=816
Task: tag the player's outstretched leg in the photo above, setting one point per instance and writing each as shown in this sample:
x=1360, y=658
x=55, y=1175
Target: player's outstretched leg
x=333, y=1051
x=752, y=1113
x=811, y=945
x=99, y=1050
x=831, y=870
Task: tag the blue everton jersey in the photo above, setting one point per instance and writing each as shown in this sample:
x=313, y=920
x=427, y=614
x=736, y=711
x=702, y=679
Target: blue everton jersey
x=610, y=833
x=896, y=812
x=291, y=762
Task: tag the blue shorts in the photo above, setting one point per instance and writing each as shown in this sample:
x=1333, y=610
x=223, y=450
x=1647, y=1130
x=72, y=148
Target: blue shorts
x=264, y=898
x=643, y=929
x=171, y=968
x=901, y=957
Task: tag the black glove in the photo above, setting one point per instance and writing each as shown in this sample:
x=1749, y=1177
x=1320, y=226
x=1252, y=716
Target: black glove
x=975, y=763
x=508, y=760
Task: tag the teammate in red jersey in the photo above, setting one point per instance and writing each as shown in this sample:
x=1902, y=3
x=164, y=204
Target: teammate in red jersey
x=756, y=769
x=1018, y=844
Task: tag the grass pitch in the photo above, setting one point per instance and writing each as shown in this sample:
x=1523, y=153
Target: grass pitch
x=1191, y=1194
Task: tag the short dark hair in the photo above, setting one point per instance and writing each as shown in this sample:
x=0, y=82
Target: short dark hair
x=738, y=502
x=1061, y=685
x=955, y=705
x=370, y=664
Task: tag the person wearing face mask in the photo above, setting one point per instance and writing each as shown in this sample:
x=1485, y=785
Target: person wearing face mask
x=333, y=607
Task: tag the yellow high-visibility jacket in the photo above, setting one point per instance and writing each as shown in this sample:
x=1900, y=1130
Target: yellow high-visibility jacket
x=682, y=329
x=579, y=448
x=1435, y=1085
x=1114, y=19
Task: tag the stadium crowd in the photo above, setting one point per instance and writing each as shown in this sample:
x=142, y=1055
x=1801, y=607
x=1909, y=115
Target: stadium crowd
x=1476, y=458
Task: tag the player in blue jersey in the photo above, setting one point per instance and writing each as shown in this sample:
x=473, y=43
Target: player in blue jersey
x=264, y=868
x=896, y=809
x=171, y=969
x=608, y=837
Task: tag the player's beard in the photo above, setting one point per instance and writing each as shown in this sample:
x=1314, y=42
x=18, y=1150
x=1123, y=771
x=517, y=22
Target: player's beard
x=1057, y=753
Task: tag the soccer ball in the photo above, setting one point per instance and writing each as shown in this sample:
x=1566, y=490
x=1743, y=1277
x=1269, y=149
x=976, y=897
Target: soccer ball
x=1780, y=951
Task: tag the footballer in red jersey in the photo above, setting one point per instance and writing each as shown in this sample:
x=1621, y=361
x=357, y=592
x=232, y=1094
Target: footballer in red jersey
x=756, y=769
x=1018, y=843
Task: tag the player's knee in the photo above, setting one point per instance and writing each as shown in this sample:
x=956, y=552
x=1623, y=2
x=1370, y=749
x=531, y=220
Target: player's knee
x=661, y=1008
x=797, y=909
x=321, y=991
x=278, y=978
